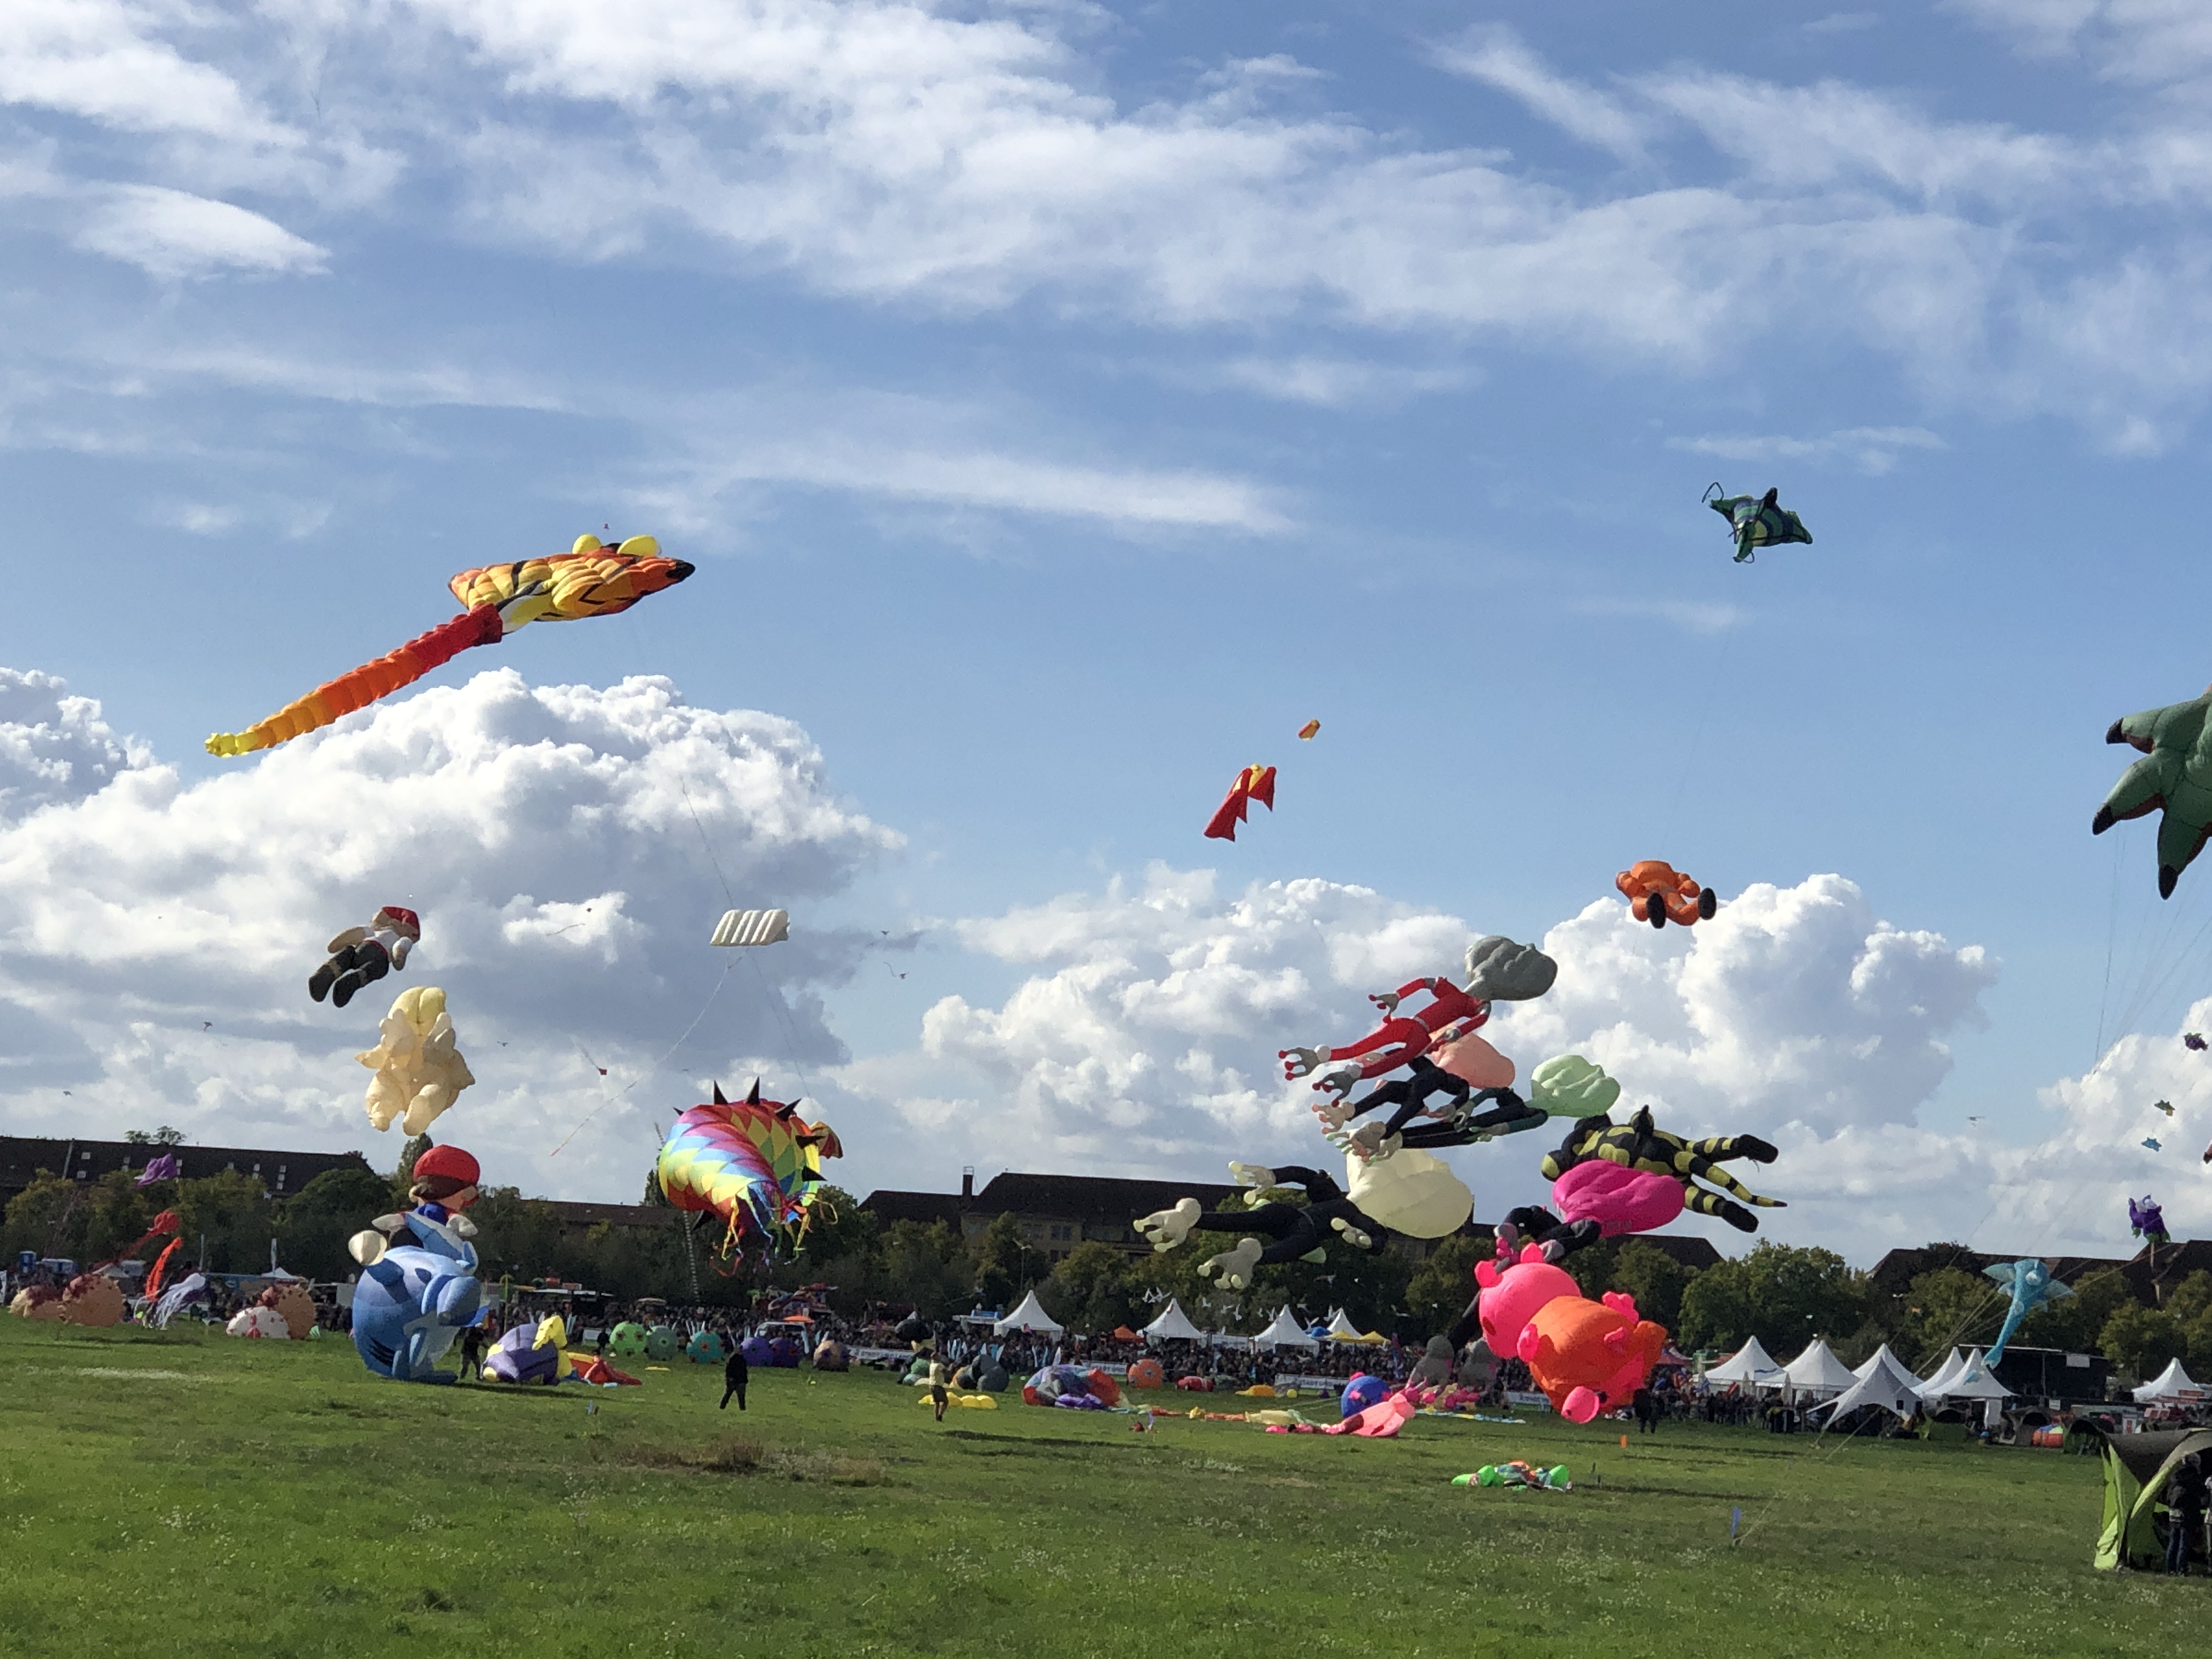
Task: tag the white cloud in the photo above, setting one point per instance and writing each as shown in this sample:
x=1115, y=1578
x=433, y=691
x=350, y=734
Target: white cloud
x=1844, y=22
x=1870, y=448
x=172, y=234
x=54, y=748
x=1338, y=382
x=158, y=934
x=1144, y=1037
x=1497, y=57
x=2155, y=41
x=101, y=60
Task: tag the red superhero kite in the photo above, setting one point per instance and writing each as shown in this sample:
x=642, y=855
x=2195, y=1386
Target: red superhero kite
x=1253, y=783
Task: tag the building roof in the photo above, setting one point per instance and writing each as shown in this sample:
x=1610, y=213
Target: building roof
x=22, y=1157
x=1895, y=1272
x=1098, y=1199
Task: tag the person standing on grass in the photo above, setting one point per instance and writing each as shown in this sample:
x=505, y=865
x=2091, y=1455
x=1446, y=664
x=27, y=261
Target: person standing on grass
x=735, y=1374
x=937, y=1394
x=2185, y=1511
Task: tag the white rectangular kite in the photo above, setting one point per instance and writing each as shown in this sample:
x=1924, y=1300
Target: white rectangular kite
x=753, y=928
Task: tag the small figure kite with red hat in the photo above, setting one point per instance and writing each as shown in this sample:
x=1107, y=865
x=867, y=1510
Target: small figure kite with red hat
x=361, y=956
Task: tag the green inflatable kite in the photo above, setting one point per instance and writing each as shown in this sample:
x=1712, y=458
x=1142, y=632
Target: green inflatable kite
x=1758, y=521
x=2174, y=777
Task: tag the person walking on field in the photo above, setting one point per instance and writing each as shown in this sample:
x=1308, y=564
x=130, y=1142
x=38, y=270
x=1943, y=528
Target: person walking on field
x=734, y=1376
x=937, y=1380
x=2185, y=1512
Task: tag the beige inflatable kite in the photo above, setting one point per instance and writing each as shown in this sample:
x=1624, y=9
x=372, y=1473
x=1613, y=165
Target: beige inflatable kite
x=418, y=1070
x=92, y=1299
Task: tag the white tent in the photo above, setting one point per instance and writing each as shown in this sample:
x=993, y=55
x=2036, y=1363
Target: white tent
x=1283, y=1332
x=1749, y=1364
x=1874, y=1361
x=1029, y=1316
x=1173, y=1326
x=1946, y=1374
x=1342, y=1328
x=1974, y=1382
x=2172, y=1384
x=1881, y=1382
x=1818, y=1372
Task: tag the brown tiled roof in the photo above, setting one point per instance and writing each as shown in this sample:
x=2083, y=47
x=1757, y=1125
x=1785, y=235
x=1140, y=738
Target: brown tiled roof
x=614, y=1215
x=1895, y=1272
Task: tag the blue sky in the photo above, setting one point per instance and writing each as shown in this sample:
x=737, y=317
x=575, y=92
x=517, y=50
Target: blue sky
x=1062, y=403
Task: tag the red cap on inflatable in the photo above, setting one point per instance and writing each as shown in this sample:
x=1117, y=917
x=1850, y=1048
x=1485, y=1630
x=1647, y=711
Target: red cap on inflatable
x=449, y=1161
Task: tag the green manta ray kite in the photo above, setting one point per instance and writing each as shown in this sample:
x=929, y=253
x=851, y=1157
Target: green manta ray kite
x=2173, y=778
x=1758, y=521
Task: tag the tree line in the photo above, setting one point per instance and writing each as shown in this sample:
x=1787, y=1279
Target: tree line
x=1784, y=1295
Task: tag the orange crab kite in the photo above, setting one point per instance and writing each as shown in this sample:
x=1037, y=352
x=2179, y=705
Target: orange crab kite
x=1658, y=893
x=591, y=580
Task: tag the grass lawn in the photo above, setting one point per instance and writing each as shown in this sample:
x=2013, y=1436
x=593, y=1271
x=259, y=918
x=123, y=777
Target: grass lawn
x=182, y=1493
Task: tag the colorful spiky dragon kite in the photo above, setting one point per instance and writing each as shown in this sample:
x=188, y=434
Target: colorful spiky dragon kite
x=755, y=1163
x=591, y=580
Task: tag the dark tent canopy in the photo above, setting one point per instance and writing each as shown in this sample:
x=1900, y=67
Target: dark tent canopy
x=2136, y=1468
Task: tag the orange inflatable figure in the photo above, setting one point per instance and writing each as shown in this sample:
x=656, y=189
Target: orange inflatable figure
x=1590, y=1357
x=1658, y=893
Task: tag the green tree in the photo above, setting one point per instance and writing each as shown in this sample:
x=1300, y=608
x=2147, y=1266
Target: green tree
x=1090, y=1290
x=1653, y=1279
x=1001, y=1258
x=928, y=1268
x=1949, y=1308
x=1717, y=1309
x=1784, y=1294
x=315, y=1222
x=2075, y=1322
x=2142, y=1341
x=1438, y=1291
x=49, y=1215
x=1591, y=1266
x=231, y=1212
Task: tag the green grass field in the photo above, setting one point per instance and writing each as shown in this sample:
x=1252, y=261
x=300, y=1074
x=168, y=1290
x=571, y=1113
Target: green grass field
x=183, y=1493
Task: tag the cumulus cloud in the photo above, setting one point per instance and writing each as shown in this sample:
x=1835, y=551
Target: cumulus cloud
x=568, y=847
x=1145, y=1036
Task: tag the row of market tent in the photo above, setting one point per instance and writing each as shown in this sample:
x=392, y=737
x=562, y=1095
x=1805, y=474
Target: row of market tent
x=1173, y=1325
x=1816, y=1376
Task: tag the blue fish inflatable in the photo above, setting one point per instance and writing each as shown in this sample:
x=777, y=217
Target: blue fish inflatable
x=414, y=1300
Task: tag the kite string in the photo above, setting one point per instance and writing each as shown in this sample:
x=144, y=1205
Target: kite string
x=656, y=1066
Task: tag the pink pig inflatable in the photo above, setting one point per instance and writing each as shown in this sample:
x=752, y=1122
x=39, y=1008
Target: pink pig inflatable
x=1509, y=1297
x=1590, y=1357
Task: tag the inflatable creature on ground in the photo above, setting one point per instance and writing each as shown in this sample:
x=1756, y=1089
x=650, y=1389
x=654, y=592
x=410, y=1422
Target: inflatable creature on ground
x=531, y=1353
x=2172, y=779
x=590, y=580
x=1640, y=1145
x=1443, y=1056
x=1587, y=1356
x=418, y=1066
x=756, y=1163
x=1518, y=1474
x=418, y=1287
x=1414, y=1193
x=362, y=956
x=1658, y=893
x=2032, y=1285
x=1757, y=521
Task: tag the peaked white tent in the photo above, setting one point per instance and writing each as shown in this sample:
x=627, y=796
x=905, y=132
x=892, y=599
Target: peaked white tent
x=1974, y=1382
x=1173, y=1326
x=1874, y=1361
x=1818, y=1372
x=1029, y=1316
x=2172, y=1384
x=1881, y=1382
x=1946, y=1374
x=1283, y=1332
x=1749, y=1364
x=1341, y=1327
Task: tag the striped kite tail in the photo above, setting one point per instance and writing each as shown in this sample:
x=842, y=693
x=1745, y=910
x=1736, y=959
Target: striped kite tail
x=360, y=687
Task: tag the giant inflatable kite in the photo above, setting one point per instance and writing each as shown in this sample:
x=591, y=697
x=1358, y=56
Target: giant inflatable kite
x=361, y=956
x=755, y=1163
x=1412, y=1193
x=1638, y=1143
x=2173, y=779
x=1443, y=1056
x=419, y=1070
x=1658, y=893
x=414, y=1299
x=1586, y=1356
x=1757, y=521
x=2032, y=1285
x=591, y=580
